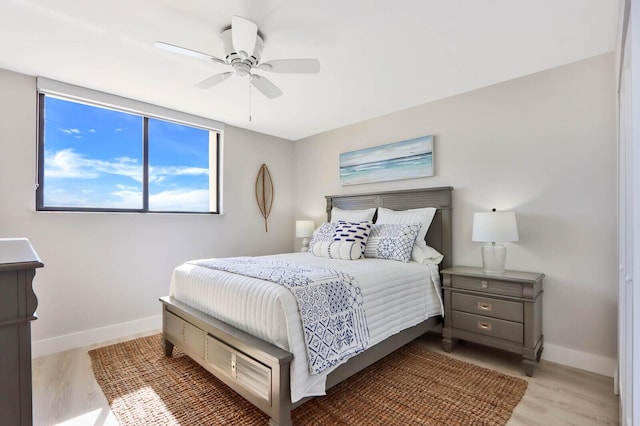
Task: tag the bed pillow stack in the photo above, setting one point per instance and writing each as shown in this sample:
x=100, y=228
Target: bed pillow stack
x=396, y=235
x=340, y=240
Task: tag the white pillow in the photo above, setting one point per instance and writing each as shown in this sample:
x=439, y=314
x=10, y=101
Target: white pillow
x=352, y=215
x=394, y=242
x=337, y=250
x=432, y=256
x=420, y=253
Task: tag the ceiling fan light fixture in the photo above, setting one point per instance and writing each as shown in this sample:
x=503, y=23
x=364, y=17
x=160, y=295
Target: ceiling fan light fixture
x=242, y=68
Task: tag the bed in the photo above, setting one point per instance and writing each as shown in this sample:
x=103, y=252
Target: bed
x=266, y=374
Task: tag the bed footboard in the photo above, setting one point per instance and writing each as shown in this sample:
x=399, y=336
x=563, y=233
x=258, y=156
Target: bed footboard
x=255, y=369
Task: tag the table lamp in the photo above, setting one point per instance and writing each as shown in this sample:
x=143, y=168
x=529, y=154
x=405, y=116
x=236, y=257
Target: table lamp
x=304, y=229
x=492, y=227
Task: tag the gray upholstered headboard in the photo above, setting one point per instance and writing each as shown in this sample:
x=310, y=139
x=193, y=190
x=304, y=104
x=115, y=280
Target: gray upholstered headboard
x=439, y=234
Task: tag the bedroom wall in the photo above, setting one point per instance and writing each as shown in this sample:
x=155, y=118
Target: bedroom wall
x=543, y=146
x=104, y=272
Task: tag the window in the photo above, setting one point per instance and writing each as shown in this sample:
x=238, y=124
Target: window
x=98, y=158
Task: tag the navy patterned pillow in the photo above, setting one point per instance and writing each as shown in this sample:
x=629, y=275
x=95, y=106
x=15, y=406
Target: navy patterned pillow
x=394, y=242
x=323, y=233
x=353, y=232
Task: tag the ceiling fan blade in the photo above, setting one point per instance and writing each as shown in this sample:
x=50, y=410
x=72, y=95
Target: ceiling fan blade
x=188, y=52
x=243, y=35
x=265, y=86
x=213, y=80
x=301, y=66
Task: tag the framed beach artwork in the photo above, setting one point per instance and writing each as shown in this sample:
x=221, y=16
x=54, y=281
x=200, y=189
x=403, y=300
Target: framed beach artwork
x=408, y=159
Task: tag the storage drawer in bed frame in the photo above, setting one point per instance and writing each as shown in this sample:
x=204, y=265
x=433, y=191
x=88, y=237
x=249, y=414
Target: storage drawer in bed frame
x=223, y=359
x=188, y=336
x=246, y=371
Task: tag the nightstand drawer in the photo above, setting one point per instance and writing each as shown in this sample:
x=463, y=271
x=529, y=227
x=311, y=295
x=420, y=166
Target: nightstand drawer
x=484, y=285
x=502, y=309
x=501, y=329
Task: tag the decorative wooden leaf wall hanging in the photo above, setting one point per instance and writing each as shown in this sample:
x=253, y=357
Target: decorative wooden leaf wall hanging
x=264, y=193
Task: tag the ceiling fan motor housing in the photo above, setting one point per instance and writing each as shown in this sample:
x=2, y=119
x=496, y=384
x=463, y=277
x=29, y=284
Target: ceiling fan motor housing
x=241, y=63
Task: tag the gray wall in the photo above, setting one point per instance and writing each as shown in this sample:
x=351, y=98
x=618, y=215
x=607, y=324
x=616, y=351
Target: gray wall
x=543, y=146
x=104, y=272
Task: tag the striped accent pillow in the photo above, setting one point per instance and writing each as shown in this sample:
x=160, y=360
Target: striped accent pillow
x=353, y=232
x=337, y=250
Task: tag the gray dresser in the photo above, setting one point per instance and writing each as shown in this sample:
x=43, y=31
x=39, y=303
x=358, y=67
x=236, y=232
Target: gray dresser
x=503, y=311
x=18, y=262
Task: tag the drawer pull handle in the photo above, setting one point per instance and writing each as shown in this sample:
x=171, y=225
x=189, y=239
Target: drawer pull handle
x=484, y=325
x=485, y=306
x=484, y=284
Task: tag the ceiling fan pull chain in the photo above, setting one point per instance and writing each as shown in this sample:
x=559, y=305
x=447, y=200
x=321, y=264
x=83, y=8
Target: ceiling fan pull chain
x=249, y=98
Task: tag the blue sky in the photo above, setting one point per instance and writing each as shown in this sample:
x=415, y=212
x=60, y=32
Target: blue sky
x=93, y=158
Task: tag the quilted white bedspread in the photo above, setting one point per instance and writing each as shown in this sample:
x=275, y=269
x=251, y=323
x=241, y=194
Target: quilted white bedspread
x=396, y=296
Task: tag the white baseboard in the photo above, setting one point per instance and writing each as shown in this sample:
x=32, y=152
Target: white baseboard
x=554, y=353
x=578, y=359
x=93, y=336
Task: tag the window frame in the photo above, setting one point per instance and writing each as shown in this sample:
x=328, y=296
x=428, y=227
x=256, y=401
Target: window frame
x=92, y=98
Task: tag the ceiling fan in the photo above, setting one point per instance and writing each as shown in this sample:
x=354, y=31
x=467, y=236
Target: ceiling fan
x=243, y=46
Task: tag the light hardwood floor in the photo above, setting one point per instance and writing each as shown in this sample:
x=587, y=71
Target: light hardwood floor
x=66, y=393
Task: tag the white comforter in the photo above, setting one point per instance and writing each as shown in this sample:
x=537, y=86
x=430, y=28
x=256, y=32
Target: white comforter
x=396, y=296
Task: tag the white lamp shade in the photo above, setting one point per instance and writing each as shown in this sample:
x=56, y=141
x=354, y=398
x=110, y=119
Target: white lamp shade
x=304, y=228
x=494, y=227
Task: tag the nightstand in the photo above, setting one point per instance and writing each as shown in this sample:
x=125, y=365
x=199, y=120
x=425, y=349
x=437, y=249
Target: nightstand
x=502, y=311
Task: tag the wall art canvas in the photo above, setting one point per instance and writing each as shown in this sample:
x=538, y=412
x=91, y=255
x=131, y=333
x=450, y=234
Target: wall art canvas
x=408, y=159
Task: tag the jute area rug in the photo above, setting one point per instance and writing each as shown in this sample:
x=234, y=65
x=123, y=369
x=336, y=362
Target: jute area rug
x=412, y=386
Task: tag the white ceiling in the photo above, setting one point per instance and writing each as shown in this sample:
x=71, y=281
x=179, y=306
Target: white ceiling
x=377, y=56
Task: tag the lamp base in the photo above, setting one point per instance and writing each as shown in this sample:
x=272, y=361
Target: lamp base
x=305, y=244
x=493, y=258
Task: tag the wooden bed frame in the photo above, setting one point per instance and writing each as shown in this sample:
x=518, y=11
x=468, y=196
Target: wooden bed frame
x=259, y=371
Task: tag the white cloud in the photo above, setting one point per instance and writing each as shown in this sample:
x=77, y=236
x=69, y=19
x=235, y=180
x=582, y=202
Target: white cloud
x=193, y=200
x=60, y=197
x=130, y=197
x=127, y=198
x=67, y=163
x=157, y=174
x=72, y=132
